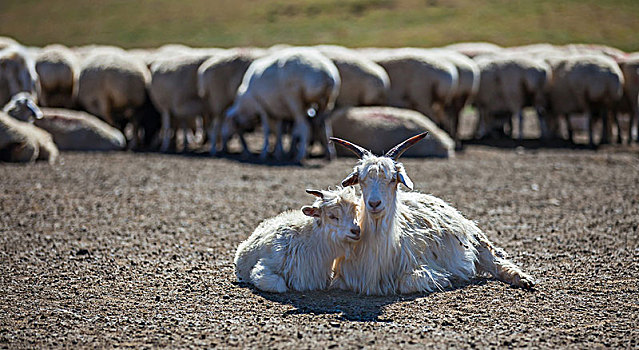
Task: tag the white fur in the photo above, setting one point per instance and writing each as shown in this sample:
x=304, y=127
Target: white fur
x=414, y=242
x=293, y=251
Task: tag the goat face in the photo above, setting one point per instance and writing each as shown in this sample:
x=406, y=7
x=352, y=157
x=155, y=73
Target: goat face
x=379, y=176
x=337, y=212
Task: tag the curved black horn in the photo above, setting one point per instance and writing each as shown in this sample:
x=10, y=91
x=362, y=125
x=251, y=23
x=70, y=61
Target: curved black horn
x=358, y=150
x=398, y=150
x=315, y=193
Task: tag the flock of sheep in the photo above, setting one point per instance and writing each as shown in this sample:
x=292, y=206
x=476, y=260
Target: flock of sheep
x=385, y=242
x=175, y=97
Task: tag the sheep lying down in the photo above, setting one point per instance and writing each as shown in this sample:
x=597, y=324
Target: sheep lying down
x=296, y=249
x=21, y=141
x=80, y=131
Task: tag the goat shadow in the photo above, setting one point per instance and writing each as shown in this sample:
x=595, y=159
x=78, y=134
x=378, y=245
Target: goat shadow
x=348, y=305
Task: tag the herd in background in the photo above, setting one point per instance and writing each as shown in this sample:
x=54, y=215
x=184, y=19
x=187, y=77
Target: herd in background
x=176, y=98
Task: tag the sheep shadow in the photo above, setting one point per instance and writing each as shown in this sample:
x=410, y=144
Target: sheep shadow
x=555, y=143
x=349, y=306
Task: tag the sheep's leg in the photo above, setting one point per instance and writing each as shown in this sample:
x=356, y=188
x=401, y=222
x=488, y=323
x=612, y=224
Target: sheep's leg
x=543, y=125
x=327, y=132
x=214, y=131
x=165, y=131
x=278, y=152
x=634, y=120
x=569, y=128
x=266, y=132
x=480, y=128
x=301, y=129
x=615, y=116
x=423, y=279
x=521, y=124
x=265, y=279
x=494, y=262
x=590, y=131
x=606, y=127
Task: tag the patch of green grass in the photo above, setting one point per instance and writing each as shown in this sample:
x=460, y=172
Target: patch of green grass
x=393, y=23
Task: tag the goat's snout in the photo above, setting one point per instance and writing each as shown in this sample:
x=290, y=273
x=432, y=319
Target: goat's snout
x=355, y=231
x=374, y=204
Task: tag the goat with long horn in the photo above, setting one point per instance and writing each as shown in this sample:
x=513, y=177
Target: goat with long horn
x=412, y=242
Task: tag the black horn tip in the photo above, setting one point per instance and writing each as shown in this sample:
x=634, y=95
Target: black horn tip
x=358, y=150
x=402, y=147
x=315, y=193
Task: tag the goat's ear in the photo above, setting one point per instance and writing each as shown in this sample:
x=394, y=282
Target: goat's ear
x=350, y=180
x=403, y=177
x=311, y=211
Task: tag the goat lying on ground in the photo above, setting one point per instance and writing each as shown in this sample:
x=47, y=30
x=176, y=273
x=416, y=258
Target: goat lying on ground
x=412, y=242
x=296, y=249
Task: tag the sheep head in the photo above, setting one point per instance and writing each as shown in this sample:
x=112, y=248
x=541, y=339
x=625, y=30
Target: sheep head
x=379, y=176
x=23, y=107
x=337, y=213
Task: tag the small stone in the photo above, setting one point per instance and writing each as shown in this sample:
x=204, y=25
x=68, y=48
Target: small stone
x=82, y=252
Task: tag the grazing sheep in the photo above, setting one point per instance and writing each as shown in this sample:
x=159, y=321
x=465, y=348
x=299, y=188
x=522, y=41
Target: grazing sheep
x=419, y=81
x=174, y=92
x=21, y=141
x=468, y=84
x=412, y=242
x=79, y=131
x=17, y=73
x=58, y=69
x=507, y=84
x=218, y=79
x=284, y=87
x=380, y=128
x=296, y=249
x=591, y=84
x=630, y=101
x=364, y=82
x=113, y=86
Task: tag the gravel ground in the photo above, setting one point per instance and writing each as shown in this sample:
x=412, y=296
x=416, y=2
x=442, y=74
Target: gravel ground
x=135, y=250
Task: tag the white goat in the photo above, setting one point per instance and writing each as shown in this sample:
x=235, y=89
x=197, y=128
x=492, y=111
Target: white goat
x=412, y=242
x=296, y=249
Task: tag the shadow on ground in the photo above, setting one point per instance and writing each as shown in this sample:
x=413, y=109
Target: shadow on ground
x=348, y=305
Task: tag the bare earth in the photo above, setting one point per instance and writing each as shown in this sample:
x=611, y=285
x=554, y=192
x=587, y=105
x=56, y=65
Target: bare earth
x=135, y=250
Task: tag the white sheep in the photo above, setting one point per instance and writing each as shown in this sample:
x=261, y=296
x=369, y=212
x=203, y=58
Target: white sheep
x=21, y=141
x=218, y=79
x=379, y=128
x=591, y=84
x=412, y=242
x=17, y=73
x=418, y=80
x=507, y=84
x=296, y=249
x=58, y=69
x=467, y=86
x=174, y=91
x=284, y=87
x=79, y=131
x=112, y=85
x=363, y=82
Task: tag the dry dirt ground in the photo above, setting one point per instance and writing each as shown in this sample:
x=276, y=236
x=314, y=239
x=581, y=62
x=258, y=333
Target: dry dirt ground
x=135, y=250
